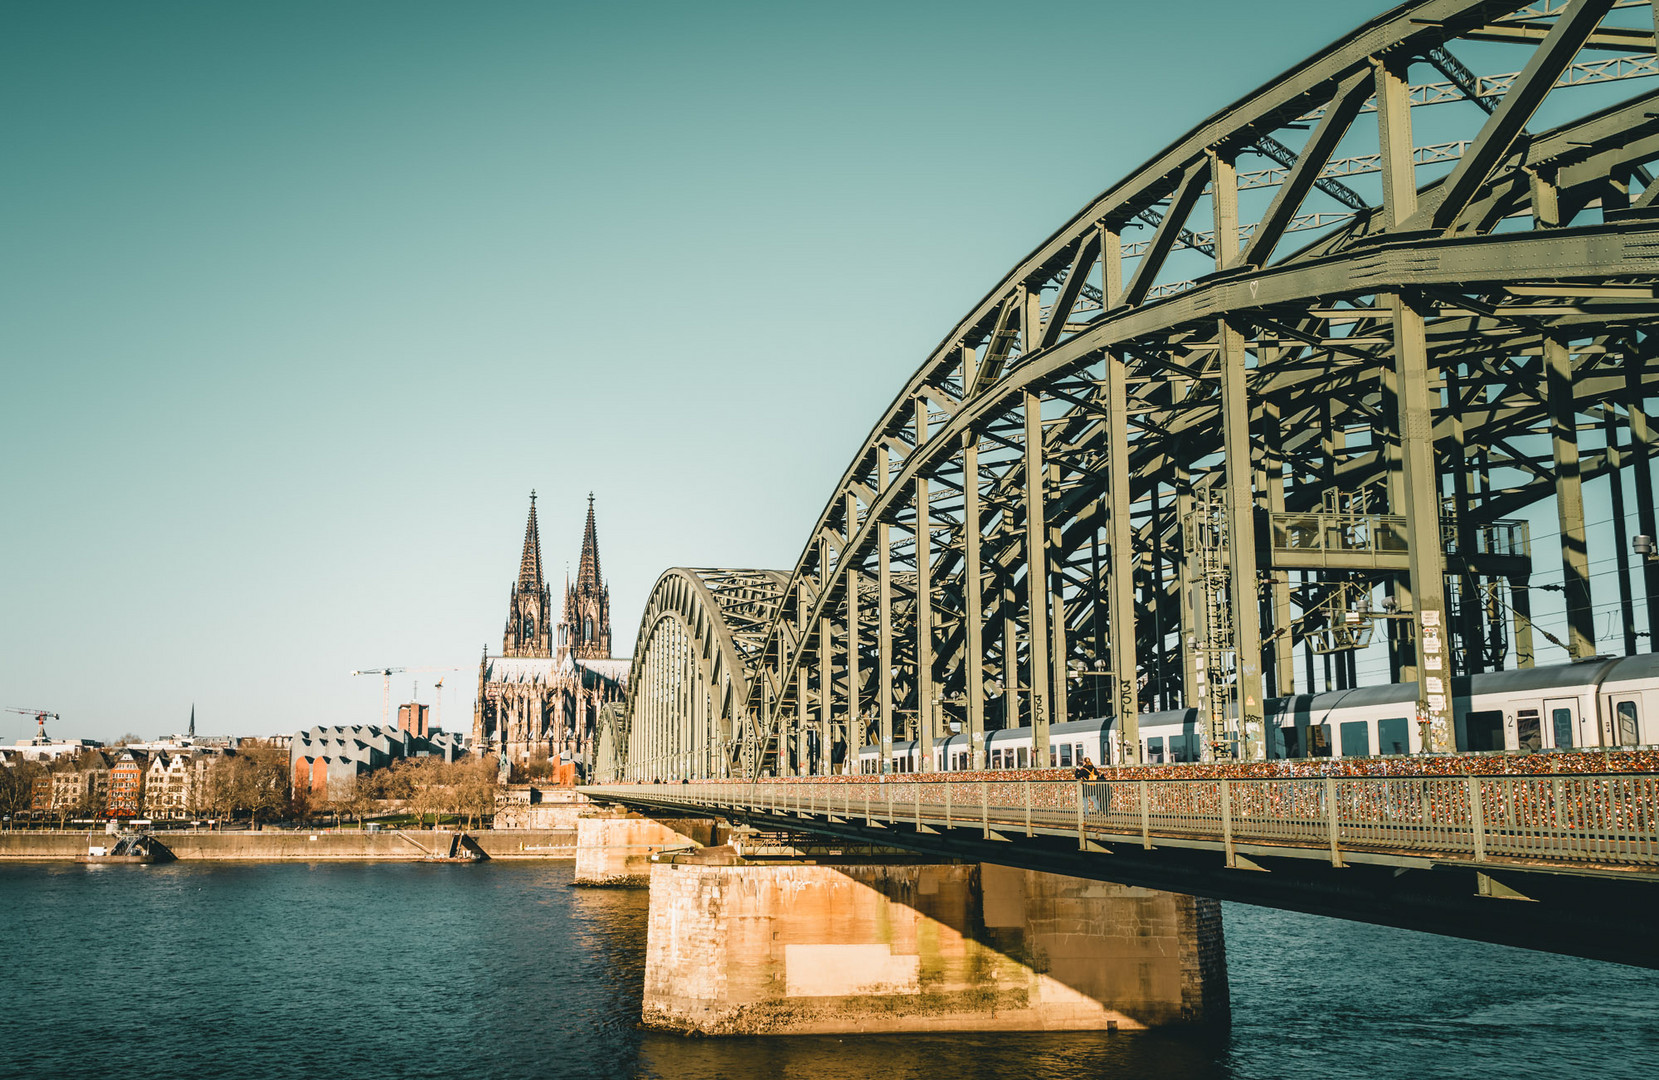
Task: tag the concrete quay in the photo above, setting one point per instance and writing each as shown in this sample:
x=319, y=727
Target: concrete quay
x=303, y=846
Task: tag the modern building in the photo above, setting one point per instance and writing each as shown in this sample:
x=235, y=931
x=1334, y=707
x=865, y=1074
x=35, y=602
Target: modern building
x=542, y=695
x=413, y=718
x=44, y=748
x=327, y=761
x=51, y=749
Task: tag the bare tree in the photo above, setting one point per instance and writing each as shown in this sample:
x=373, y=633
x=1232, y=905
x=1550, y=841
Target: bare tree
x=17, y=786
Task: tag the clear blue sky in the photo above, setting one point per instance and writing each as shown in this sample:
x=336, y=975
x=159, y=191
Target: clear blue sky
x=300, y=300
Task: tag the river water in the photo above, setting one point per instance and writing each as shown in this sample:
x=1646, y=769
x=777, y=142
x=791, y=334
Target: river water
x=502, y=970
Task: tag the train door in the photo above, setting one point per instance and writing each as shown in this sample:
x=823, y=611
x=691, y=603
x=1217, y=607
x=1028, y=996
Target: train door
x=1529, y=731
x=1625, y=720
x=1563, y=713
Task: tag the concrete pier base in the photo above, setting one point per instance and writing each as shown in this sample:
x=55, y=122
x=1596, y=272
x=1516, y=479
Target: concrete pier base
x=615, y=848
x=796, y=948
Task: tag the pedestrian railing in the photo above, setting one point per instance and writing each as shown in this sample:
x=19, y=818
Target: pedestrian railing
x=1603, y=820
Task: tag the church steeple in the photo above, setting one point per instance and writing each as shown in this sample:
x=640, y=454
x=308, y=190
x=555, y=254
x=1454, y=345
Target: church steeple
x=530, y=605
x=586, y=633
x=529, y=564
x=587, y=573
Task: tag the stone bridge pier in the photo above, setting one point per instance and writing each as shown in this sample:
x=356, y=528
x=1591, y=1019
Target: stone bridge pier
x=752, y=937
x=615, y=846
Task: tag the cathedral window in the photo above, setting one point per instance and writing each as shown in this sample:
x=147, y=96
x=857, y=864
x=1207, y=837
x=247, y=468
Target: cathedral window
x=587, y=629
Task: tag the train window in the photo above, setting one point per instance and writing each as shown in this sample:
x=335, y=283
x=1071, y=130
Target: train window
x=1293, y=742
x=1356, y=738
x=1627, y=723
x=1393, y=736
x=1484, y=730
x=1529, y=734
x=1024, y=757
x=996, y=759
x=1319, y=740
x=1562, y=721
x=1065, y=756
x=1155, y=751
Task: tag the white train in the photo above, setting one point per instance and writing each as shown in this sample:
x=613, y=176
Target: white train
x=1606, y=701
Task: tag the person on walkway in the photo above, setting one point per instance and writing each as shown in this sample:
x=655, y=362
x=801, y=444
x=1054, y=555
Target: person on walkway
x=1095, y=794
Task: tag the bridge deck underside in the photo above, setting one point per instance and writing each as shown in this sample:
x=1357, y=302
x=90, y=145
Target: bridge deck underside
x=1587, y=893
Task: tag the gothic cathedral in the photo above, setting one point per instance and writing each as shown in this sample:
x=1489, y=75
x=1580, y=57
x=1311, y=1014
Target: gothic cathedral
x=541, y=697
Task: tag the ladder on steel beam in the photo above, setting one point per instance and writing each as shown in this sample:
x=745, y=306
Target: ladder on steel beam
x=1214, y=655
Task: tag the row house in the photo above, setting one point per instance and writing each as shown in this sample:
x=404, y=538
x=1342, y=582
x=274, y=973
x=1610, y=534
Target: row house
x=83, y=787
x=126, y=784
x=40, y=795
x=174, y=785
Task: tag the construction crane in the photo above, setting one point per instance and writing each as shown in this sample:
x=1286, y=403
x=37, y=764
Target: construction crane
x=40, y=716
x=386, y=674
x=385, y=689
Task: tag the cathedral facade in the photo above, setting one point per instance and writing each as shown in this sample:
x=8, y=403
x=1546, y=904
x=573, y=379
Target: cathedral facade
x=542, y=695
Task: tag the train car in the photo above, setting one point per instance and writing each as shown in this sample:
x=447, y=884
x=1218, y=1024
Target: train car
x=1599, y=702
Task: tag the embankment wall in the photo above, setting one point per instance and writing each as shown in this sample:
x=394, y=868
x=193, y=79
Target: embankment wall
x=271, y=844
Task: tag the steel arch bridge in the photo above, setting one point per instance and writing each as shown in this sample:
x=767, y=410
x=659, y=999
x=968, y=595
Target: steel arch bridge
x=1289, y=382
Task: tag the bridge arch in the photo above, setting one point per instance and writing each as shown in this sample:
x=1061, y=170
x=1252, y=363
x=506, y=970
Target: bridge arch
x=688, y=687
x=1173, y=456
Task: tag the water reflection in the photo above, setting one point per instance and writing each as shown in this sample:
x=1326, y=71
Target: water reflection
x=966, y=1056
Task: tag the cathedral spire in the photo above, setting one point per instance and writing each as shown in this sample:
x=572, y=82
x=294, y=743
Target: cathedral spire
x=587, y=619
x=529, y=607
x=587, y=574
x=529, y=564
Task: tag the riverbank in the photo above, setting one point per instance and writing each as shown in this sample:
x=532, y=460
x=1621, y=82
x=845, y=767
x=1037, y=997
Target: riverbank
x=303, y=846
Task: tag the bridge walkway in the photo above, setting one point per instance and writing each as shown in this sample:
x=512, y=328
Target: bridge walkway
x=1558, y=862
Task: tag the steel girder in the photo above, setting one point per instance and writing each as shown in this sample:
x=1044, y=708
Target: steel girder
x=1463, y=312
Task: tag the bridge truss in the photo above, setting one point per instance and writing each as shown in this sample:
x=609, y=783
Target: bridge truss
x=1303, y=367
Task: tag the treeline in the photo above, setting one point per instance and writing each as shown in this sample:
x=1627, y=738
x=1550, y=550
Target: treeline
x=466, y=788
x=253, y=781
